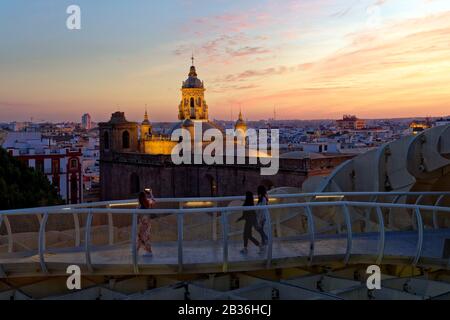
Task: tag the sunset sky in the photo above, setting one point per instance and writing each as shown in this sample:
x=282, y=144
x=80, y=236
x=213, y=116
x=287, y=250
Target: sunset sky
x=311, y=59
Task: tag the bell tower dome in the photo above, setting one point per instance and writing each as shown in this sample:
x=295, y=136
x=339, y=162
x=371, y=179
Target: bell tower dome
x=193, y=105
x=240, y=123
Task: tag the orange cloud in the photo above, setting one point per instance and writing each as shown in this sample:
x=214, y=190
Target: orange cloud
x=400, y=69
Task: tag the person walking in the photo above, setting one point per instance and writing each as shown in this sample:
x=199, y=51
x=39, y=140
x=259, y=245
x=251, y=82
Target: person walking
x=263, y=200
x=250, y=222
x=144, y=227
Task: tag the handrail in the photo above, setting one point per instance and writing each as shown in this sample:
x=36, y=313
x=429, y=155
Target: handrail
x=248, y=208
x=133, y=202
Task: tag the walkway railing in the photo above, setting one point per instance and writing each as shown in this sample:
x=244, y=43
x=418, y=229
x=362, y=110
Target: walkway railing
x=320, y=220
x=393, y=197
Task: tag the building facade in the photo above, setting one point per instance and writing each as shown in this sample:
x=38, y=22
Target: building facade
x=86, y=122
x=349, y=122
x=61, y=166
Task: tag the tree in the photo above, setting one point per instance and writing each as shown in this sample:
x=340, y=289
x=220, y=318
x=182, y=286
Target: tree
x=23, y=187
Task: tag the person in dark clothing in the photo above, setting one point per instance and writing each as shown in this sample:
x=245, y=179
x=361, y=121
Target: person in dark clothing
x=250, y=222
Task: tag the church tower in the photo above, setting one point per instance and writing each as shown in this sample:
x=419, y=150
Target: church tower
x=146, y=127
x=241, y=129
x=240, y=124
x=118, y=135
x=193, y=105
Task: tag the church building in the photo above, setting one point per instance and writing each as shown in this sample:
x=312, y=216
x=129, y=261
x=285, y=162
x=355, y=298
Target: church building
x=132, y=157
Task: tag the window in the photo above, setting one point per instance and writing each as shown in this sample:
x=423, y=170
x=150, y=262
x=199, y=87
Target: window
x=73, y=188
x=39, y=166
x=106, y=140
x=192, y=108
x=125, y=140
x=55, y=166
x=73, y=164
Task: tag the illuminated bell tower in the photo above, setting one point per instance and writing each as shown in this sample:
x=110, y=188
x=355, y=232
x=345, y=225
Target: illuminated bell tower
x=146, y=127
x=193, y=105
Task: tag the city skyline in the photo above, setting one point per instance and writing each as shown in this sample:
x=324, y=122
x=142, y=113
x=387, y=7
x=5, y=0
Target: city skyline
x=309, y=59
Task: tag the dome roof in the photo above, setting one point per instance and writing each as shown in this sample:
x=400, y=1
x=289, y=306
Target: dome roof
x=240, y=122
x=190, y=123
x=118, y=118
x=192, y=81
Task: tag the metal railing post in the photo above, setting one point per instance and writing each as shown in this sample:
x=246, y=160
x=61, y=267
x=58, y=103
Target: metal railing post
x=225, y=240
x=419, y=236
x=133, y=244
x=180, y=222
x=87, y=241
x=278, y=224
x=382, y=240
x=110, y=229
x=419, y=198
x=311, y=231
x=76, y=222
x=367, y=213
x=396, y=199
x=41, y=244
x=270, y=238
x=214, y=224
x=436, y=204
x=10, y=236
x=348, y=224
x=2, y=271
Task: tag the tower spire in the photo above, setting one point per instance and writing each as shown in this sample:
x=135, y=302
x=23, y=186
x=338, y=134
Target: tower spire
x=192, y=72
x=146, y=121
x=146, y=114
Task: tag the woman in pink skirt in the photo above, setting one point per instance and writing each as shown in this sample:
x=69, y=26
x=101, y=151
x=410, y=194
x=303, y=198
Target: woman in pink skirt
x=144, y=226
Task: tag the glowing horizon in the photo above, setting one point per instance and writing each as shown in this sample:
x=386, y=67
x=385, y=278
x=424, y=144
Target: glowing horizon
x=311, y=59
